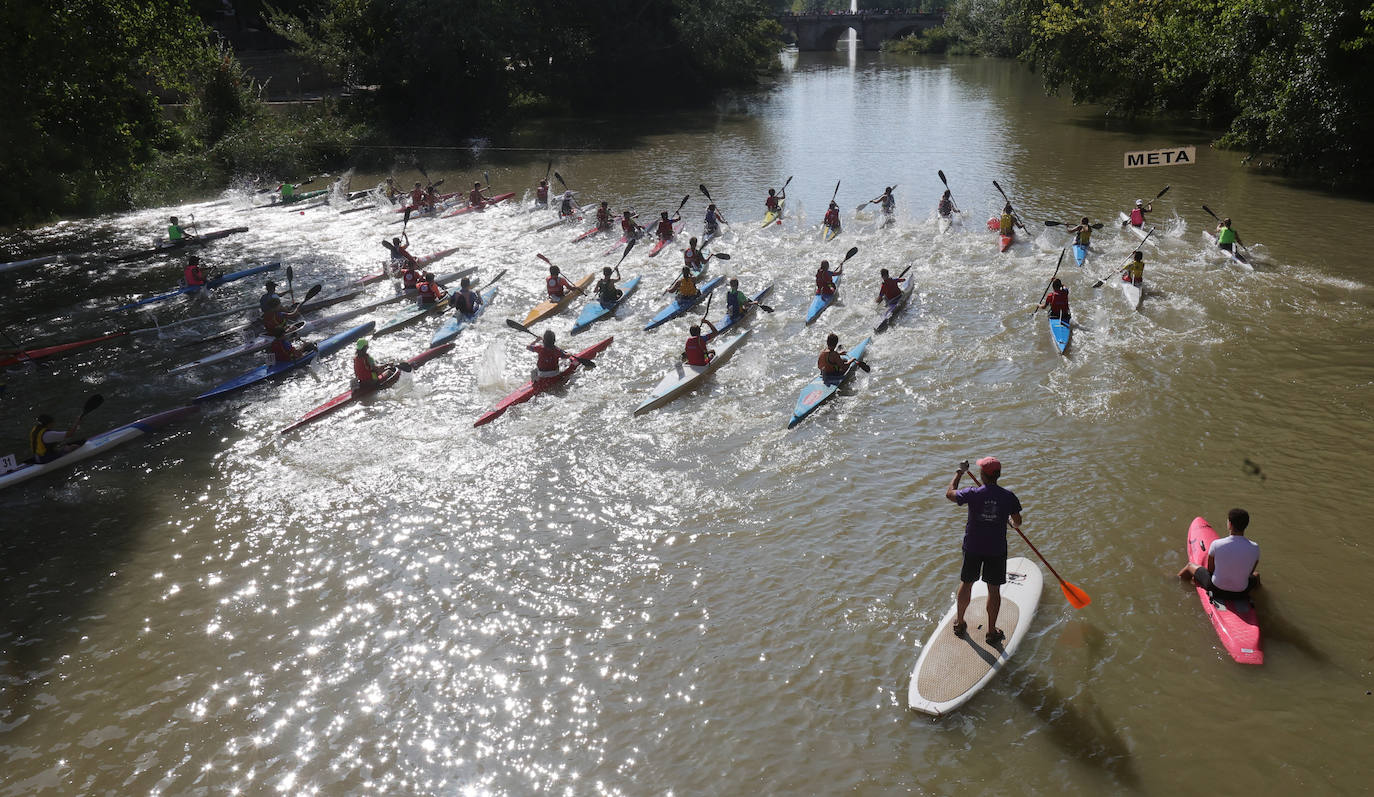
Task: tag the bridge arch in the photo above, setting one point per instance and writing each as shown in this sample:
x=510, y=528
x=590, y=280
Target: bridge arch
x=823, y=31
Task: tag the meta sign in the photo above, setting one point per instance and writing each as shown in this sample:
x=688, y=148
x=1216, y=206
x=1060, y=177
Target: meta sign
x=1174, y=156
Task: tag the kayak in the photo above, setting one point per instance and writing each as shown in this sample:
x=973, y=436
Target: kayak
x=172, y=246
x=420, y=208
x=820, y=301
x=1062, y=334
x=14, y=265
x=550, y=307
x=412, y=314
x=419, y=261
x=1139, y=232
x=578, y=216
x=95, y=445
x=663, y=242
x=469, y=208
x=17, y=357
x=951, y=669
x=1080, y=254
x=1235, y=619
x=818, y=390
x=639, y=235
x=597, y=310
x=895, y=307
x=684, y=378
x=1004, y=242
x=589, y=233
x=708, y=237
x=726, y=322
x=280, y=200
x=680, y=305
x=1134, y=294
x=1236, y=257
x=458, y=321
x=943, y=224
x=774, y=218
x=529, y=390
x=830, y=233
x=214, y=283
x=273, y=370
x=354, y=393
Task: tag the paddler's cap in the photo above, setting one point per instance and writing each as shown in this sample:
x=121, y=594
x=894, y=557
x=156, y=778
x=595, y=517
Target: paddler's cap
x=990, y=466
x=361, y=344
x=567, y=194
x=1140, y=202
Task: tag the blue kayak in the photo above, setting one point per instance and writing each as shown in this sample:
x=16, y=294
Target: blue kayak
x=214, y=283
x=273, y=370
x=818, y=390
x=458, y=321
x=1080, y=254
x=596, y=310
x=1063, y=335
x=821, y=301
x=679, y=305
x=726, y=323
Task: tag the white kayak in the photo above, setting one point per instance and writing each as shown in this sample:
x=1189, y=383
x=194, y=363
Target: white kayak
x=1235, y=257
x=94, y=445
x=1139, y=232
x=1135, y=294
x=951, y=669
x=684, y=378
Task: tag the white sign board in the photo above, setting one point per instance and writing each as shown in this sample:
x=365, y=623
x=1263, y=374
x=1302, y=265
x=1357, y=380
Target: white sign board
x=1174, y=156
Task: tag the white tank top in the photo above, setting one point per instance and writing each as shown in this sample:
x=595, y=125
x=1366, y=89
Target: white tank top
x=1234, y=557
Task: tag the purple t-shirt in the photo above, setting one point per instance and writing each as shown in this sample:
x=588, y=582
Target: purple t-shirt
x=985, y=534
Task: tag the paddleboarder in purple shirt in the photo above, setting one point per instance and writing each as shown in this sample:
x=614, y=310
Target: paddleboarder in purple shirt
x=985, y=541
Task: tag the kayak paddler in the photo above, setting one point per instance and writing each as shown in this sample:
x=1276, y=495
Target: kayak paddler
x=427, y=290
x=890, y=290
x=47, y=444
x=1083, y=233
x=277, y=319
x=549, y=356
x=692, y=256
x=476, y=198
x=1231, y=561
x=541, y=193
x=606, y=291
x=193, y=275
x=887, y=201
x=832, y=361
x=736, y=301
x=773, y=204
x=288, y=192
x=567, y=208
x=946, y=207
x=664, y=229
x=399, y=254
x=825, y=278
x=284, y=352
x=1135, y=272
x=1056, y=301
x=832, y=218
x=175, y=233
x=990, y=507
x=269, y=293
x=1137, y=217
x=603, y=216
x=466, y=300
x=556, y=285
x=417, y=196
x=391, y=191
x=630, y=227
x=410, y=277
x=1226, y=236
x=1007, y=222
x=696, y=352
x=686, y=285
x=713, y=221
x=366, y=371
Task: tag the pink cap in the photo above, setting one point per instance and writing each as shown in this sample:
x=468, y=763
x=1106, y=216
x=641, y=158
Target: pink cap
x=989, y=465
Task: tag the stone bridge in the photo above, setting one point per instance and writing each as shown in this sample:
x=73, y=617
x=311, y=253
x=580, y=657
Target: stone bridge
x=823, y=31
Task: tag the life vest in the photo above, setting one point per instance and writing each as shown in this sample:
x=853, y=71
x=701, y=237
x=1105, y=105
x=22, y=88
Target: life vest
x=566, y=209
x=693, y=259
x=1006, y=225
x=287, y=190
x=628, y=225
x=1226, y=235
x=40, y=448
x=364, y=369
x=829, y=362
x=603, y=219
x=686, y=287
x=409, y=277
x=712, y=221
x=554, y=286
x=548, y=357
x=665, y=228
x=946, y=207
x=832, y=218
x=1083, y=236
x=193, y=276
x=282, y=351
x=771, y=203
x=606, y=290
x=541, y=195
x=890, y=290
x=274, y=321
x=1059, y=300
x=417, y=197
x=825, y=280
x=734, y=303
x=889, y=203
x=174, y=233
x=428, y=292
x=1137, y=216
x=1135, y=271
x=696, y=351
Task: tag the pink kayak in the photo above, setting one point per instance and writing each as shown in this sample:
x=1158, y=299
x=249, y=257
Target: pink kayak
x=1235, y=620
x=470, y=208
x=529, y=390
x=354, y=393
x=419, y=261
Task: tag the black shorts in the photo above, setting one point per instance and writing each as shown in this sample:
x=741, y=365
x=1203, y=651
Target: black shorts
x=993, y=569
x=1203, y=578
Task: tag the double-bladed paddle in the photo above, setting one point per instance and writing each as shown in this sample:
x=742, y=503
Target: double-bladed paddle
x=1096, y=226
x=1098, y=284
x=513, y=324
x=874, y=201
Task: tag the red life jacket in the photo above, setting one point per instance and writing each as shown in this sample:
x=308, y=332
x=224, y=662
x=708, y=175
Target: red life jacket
x=362, y=369
x=409, y=277
x=1137, y=216
x=429, y=292
x=771, y=203
x=603, y=218
x=832, y=218
x=554, y=286
x=1059, y=300
x=548, y=357
x=193, y=275
x=890, y=289
x=282, y=351
x=823, y=363
x=692, y=258
x=825, y=282
x=274, y=321
x=542, y=194
x=417, y=197
x=628, y=225
x=665, y=228
x=696, y=351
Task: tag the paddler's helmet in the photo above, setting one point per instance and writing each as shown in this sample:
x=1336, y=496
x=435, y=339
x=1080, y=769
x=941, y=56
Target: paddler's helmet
x=1139, y=202
x=476, y=183
x=568, y=194
x=361, y=344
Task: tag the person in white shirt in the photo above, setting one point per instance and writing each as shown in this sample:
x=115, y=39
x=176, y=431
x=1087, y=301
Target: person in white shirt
x=1231, y=560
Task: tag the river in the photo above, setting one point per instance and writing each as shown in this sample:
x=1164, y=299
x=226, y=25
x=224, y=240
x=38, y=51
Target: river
x=699, y=601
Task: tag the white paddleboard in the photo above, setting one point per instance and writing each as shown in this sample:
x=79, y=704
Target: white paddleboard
x=952, y=669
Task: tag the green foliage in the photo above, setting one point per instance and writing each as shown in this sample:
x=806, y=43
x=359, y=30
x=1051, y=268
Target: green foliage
x=935, y=40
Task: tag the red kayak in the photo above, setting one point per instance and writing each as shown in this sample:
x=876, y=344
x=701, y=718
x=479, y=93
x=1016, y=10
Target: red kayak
x=15, y=357
x=663, y=242
x=422, y=261
x=353, y=394
x=470, y=208
x=529, y=390
x=589, y=233
x=1234, y=619
x=414, y=208
x=1004, y=242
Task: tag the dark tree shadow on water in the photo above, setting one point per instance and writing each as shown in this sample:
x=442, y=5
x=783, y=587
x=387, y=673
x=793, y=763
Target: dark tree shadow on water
x=1080, y=729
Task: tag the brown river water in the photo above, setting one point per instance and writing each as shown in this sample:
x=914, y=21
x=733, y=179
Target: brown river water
x=699, y=601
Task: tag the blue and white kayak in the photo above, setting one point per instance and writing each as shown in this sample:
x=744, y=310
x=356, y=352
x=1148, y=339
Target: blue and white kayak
x=683, y=378
x=95, y=445
x=726, y=322
x=214, y=283
x=1080, y=254
x=818, y=390
x=821, y=301
x=679, y=305
x=458, y=321
x=596, y=310
x=273, y=370
x=1062, y=333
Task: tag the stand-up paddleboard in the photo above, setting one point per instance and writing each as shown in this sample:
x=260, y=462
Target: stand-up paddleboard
x=1234, y=619
x=952, y=669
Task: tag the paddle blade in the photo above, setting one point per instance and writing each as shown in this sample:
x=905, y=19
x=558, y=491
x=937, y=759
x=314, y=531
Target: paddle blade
x=1076, y=597
x=92, y=403
x=290, y=274
x=560, y=180
x=853, y=250
x=765, y=308
x=545, y=259
x=1210, y=213
x=313, y=292
x=1054, y=223
x=404, y=366
x=513, y=324
x=721, y=256
x=628, y=247
x=487, y=177
x=705, y=193
x=941, y=172
x=683, y=203
x=493, y=280
x=863, y=366
x=1162, y=193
